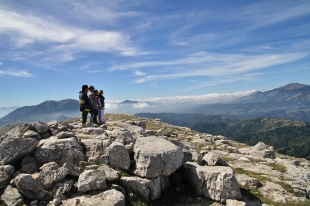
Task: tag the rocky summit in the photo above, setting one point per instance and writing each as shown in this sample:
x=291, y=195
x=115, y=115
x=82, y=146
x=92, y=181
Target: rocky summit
x=139, y=161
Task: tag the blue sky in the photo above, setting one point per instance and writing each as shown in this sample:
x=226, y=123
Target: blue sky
x=151, y=50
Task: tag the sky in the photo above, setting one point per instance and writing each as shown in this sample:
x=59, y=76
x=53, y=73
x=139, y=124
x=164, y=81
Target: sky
x=158, y=51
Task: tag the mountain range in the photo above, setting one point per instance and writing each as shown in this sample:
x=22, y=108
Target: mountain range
x=45, y=111
x=287, y=102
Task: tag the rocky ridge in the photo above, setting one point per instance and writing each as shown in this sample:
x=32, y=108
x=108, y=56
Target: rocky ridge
x=136, y=161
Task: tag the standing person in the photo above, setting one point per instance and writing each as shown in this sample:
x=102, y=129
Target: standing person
x=98, y=106
x=101, y=111
x=85, y=104
x=94, y=111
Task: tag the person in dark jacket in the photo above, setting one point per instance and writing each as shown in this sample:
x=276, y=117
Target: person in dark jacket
x=102, y=107
x=85, y=104
x=94, y=110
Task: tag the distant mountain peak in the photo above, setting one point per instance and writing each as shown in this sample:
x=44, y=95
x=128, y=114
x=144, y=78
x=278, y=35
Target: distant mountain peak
x=294, y=86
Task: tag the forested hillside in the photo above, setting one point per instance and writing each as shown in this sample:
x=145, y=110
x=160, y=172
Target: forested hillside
x=287, y=136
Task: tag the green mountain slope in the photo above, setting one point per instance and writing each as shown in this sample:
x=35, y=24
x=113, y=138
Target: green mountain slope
x=287, y=136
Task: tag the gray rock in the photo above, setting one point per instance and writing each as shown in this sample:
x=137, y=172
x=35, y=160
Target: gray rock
x=30, y=133
x=230, y=202
x=111, y=174
x=191, y=155
x=107, y=198
x=148, y=189
x=60, y=151
x=217, y=183
x=8, y=169
x=27, y=160
x=245, y=180
x=96, y=147
x=53, y=124
x=121, y=135
x=12, y=197
x=13, y=149
x=28, y=186
x=48, y=178
x=41, y=127
x=262, y=150
x=212, y=159
x=29, y=168
x=92, y=180
x=4, y=179
x=118, y=156
x=156, y=156
x=72, y=170
x=19, y=130
x=49, y=166
x=66, y=134
x=129, y=148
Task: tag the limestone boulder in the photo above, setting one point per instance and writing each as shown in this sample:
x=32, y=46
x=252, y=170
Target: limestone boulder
x=119, y=156
x=121, y=135
x=244, y=180
x=29, y=187
x=261, y=150
x=59, y=151
x=107, y=198
x=230, y=202
x=156, y=156
x=31, y=134
x=53, y=124
x=96, y=146
x=65, y=134
x=217, y=183
x=191, y=155
x=212, y=159
x=19, y=130
x=111, y=174
x=92, y=180
x=41, y=127
x=12, y=197
x=148, y=189
x=14, y=148
x=48, y=178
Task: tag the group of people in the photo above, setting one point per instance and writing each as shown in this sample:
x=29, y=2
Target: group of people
x=92, y=101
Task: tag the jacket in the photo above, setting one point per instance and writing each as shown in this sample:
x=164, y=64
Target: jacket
x=85, y=104
x=102, y=100
x=92, y=99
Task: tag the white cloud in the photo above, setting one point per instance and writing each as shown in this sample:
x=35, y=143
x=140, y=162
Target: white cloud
x=220, y=66
x=1, y=63
x=139, y=73
x=17, y=73
x=60, y=39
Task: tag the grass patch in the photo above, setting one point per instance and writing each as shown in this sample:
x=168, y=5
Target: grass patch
x=278, y=167
x=122, y=173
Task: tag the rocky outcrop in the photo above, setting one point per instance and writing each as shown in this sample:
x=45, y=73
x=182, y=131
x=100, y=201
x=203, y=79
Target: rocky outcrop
x=156, y=156
x=149, y=189
x=92, y=165
x=260, y=150
x=14, y=148
x=218, y=183
x=60, y=151
x=91, y=180
x=118, y=156
x=212, y=159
